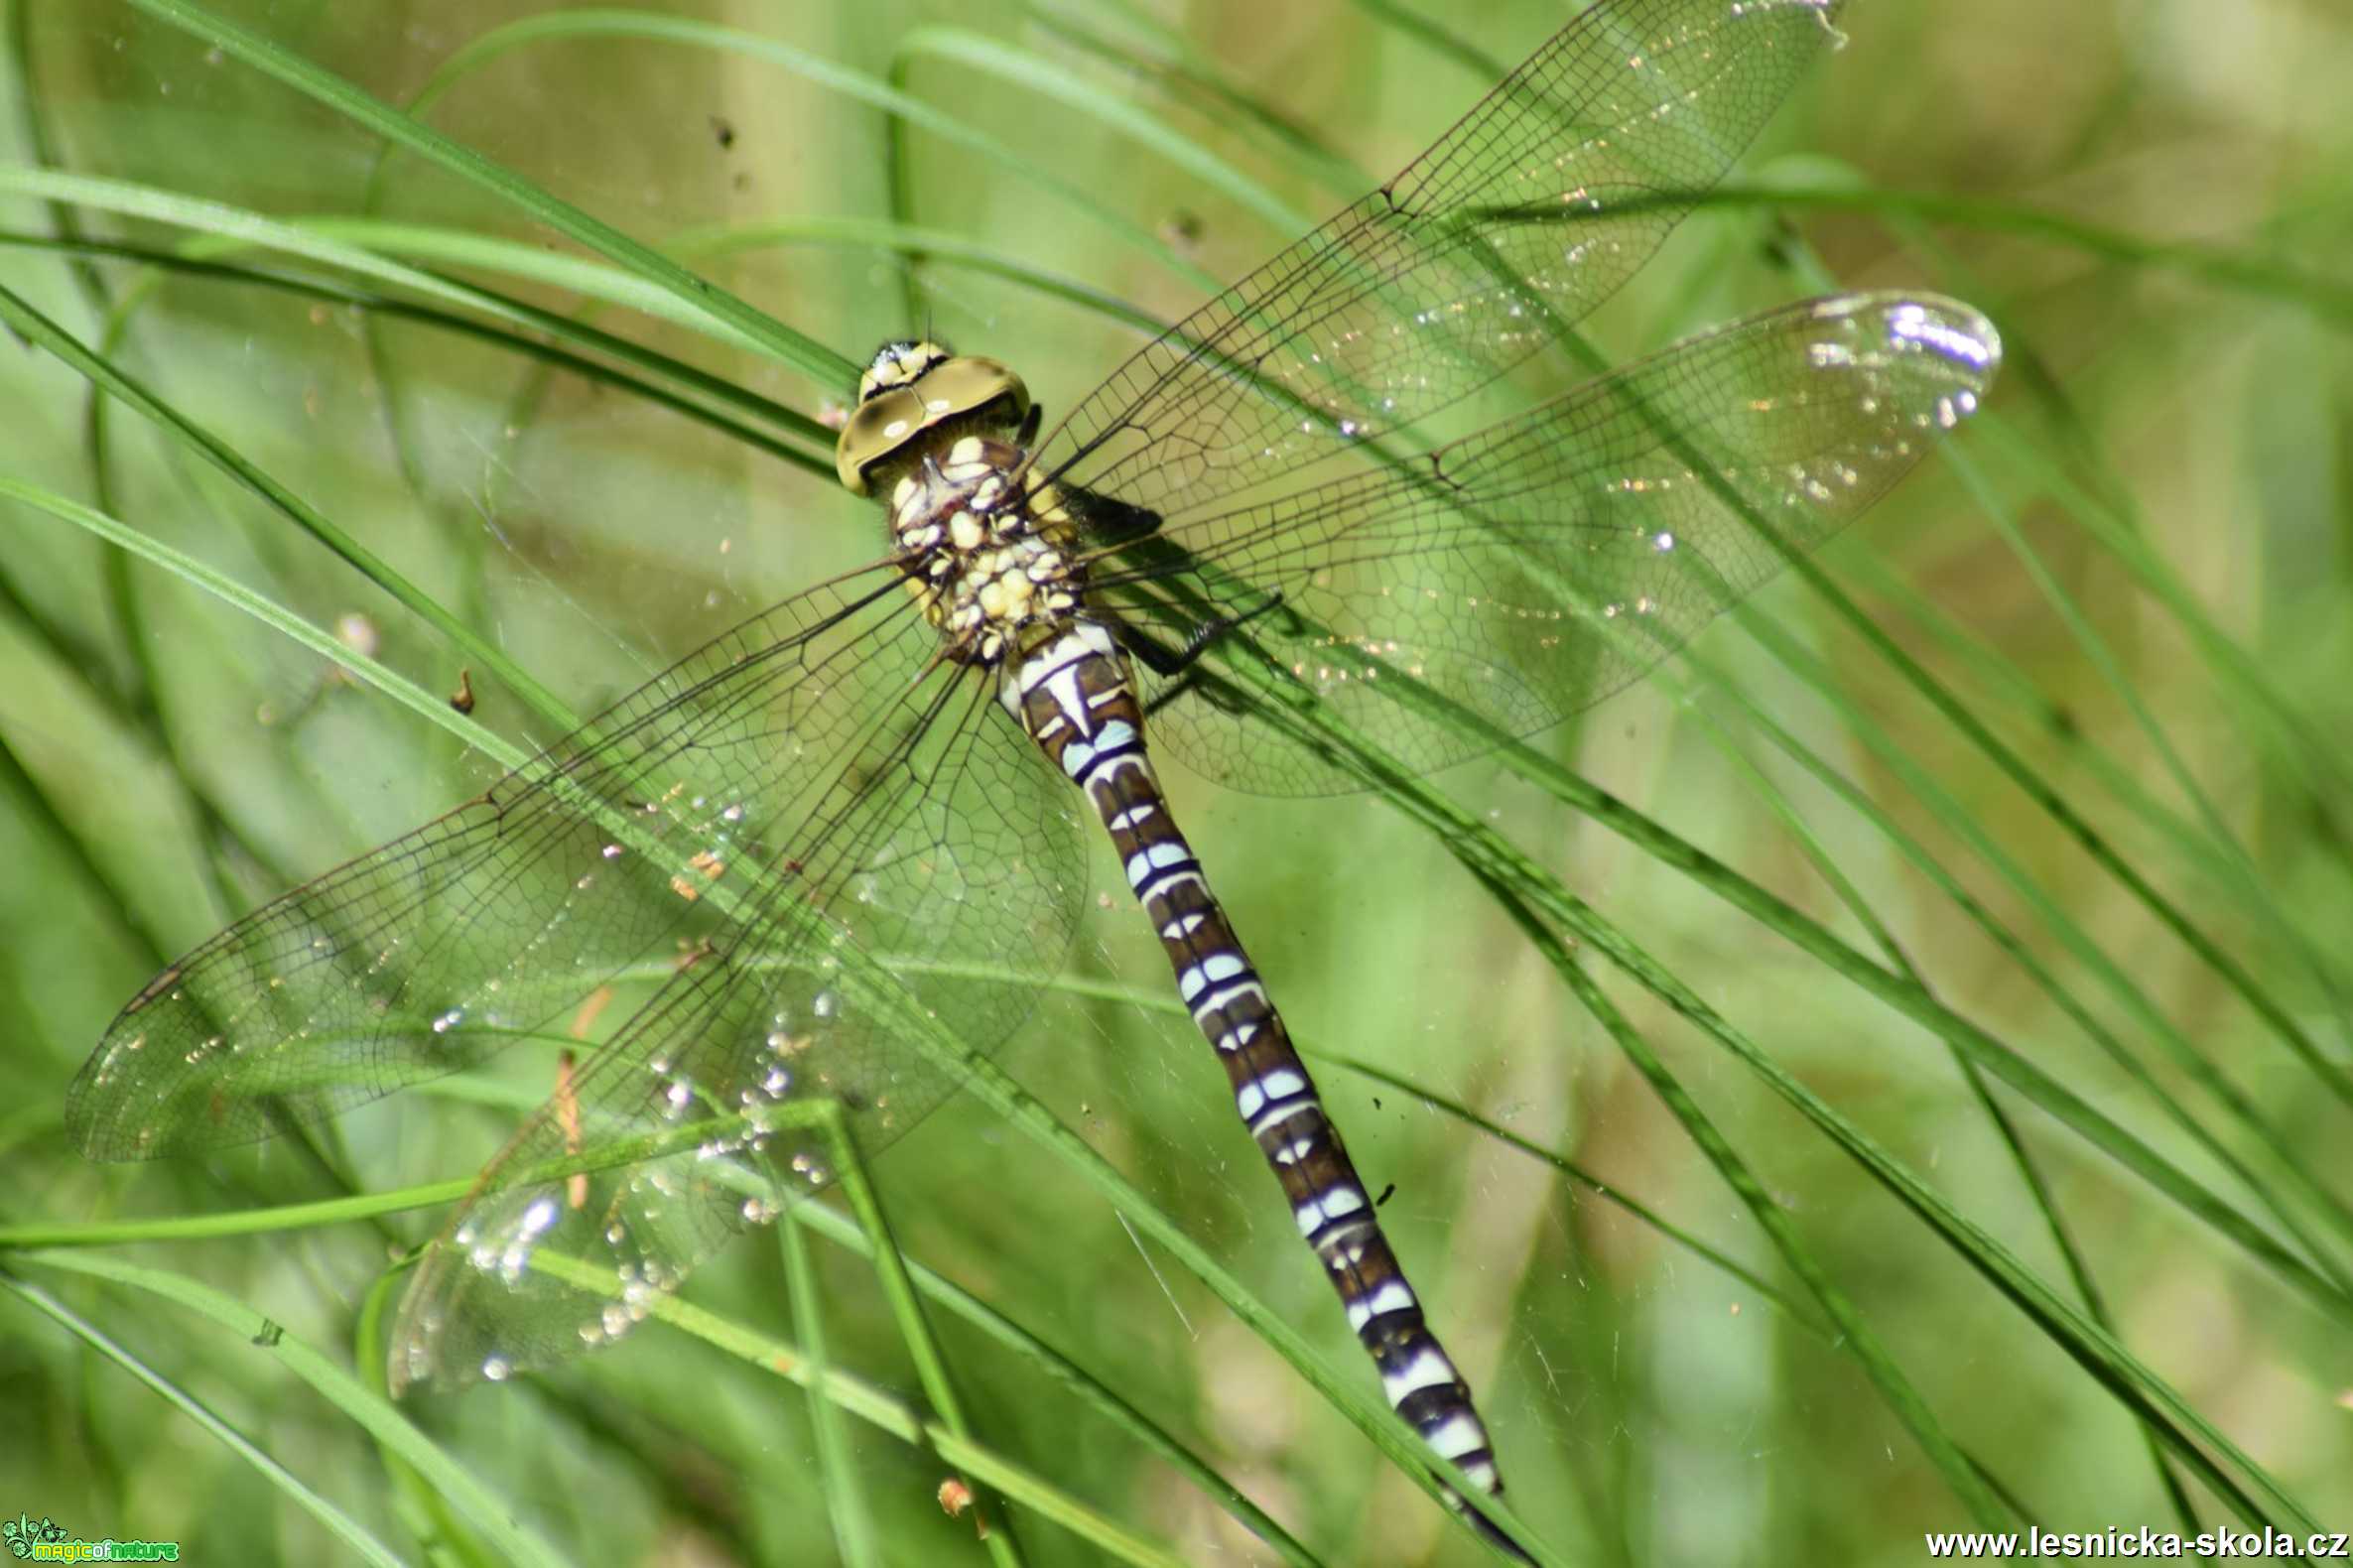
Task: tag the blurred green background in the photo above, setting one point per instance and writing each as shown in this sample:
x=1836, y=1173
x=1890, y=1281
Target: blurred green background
x=2136, y=571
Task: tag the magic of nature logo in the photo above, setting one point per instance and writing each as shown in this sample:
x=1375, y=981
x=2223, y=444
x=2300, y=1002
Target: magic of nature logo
x=45, y=1540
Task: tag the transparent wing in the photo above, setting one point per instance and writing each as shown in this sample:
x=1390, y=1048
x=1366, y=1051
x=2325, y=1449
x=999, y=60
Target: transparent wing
x=1532, y=568
x=942, y=834
x=1541, y=202
x=659, y=829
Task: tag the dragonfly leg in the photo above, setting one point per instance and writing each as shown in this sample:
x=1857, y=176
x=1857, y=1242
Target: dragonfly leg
x=1162, y=660
x=1177, y=665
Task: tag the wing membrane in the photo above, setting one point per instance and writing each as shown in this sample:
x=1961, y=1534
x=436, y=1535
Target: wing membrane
x=1533, y=208
x=1534, y=567
x=943, y=835
x=642, y=837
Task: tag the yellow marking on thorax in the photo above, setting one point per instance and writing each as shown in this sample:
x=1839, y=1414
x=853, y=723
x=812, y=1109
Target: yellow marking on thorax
x=988, y=563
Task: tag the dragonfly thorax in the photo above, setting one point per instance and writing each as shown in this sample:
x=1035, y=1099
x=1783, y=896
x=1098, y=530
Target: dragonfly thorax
x=985, y=544
x=983, y=540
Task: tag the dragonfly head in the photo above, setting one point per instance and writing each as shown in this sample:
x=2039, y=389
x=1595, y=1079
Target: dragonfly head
x=911, y=389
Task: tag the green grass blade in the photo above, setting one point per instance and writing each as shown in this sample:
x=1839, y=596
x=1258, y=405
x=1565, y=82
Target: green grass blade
x=20, y=314
x=969, y=52
x=1098, y=1396
x=386, y=307
x=902, y=108
x=1855, y=1334
x=707, y=299
x=417, y=700
x=491, y=1515
x=847, y=1507
x=2217, y=266
x=339, y=1525
x=931, y=1366
x=1023, y=1488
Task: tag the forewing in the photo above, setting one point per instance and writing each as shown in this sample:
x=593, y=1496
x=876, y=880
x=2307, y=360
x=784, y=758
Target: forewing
x=624, y=845
x=1539, y=203
x=941, y=836
x=1534, y=567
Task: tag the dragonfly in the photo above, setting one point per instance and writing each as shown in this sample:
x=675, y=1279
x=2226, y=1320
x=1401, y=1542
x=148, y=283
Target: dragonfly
x=859, y=816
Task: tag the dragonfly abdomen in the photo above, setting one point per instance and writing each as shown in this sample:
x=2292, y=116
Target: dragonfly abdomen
x=1074, y=698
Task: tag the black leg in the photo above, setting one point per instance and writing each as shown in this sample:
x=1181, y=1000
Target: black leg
x=1179, y=667
x=1162, y=660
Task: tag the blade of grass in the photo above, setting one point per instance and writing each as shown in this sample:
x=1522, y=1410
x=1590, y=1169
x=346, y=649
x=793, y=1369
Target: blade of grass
x=426, y=705
x=485, y=1511
x=889, y=1415
x=1090, y=1390
x=2092, y=1347
x=342, y=295
x=2218, y=266
x=20, y=314
x=1966, y=826
x=362, y=108
x=1038, y=77
x=1435, y=37
x=938, y=245
x=931, y=1367
x=1291, y=709
x=900, y=108
x=2240, y=872
x=220, y=229
x=423, y=1507
x=1856, y=1335
x=2004, y=1126
x=338, y=1523
x=2052, y=803
x=847, y=1509
x=1183, y=74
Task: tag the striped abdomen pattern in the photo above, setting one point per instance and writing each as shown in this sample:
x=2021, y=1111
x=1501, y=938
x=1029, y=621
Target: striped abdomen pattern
x=1072, y=695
